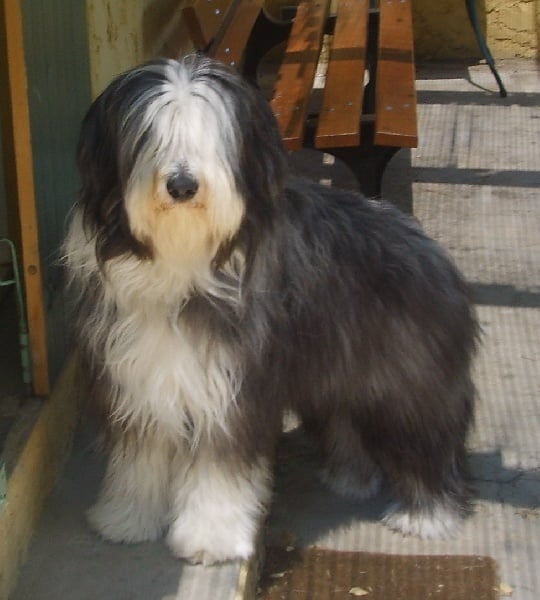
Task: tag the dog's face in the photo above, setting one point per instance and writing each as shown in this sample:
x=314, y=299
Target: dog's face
x=175, y=157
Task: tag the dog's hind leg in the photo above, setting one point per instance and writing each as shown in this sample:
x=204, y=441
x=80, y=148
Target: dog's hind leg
x=346, y=469
x=423, y=455
x=133, y=503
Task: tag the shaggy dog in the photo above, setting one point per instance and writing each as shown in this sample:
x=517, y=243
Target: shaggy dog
x=215, y=291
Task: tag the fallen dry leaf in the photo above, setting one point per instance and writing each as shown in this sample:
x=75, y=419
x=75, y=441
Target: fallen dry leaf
x=358, y=591
x=505, y=589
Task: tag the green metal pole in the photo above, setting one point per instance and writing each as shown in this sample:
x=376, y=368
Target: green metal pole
x=23, y=327
x=473, y=18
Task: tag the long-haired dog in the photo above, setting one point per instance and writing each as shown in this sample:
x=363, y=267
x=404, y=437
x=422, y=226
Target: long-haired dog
x=215, y=291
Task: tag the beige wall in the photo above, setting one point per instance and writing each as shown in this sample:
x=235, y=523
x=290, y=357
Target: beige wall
x=123, y=33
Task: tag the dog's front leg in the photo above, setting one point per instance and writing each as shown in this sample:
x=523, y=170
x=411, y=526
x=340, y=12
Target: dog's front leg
x=218, y=507
x=134, y=500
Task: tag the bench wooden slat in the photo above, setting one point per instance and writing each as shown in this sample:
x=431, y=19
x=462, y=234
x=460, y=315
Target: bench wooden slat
x=204, y=19
x=230, y=48
x=297, y=71
x=339, y=118
x=395, y=119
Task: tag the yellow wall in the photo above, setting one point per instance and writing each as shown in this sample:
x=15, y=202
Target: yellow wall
x=514, y=27
x=442, y=28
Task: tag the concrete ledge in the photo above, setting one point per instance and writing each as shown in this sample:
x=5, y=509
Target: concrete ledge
x=35, y=472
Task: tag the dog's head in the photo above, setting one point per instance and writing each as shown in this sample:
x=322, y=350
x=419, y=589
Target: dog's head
x=175, y=158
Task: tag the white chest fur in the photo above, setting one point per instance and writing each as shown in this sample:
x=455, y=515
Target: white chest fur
x=168, y=374
x=163, y=369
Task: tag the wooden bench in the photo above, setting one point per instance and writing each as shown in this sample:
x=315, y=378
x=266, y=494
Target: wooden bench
x=365, y=40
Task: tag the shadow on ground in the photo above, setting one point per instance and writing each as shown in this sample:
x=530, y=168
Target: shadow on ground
x=306, y=505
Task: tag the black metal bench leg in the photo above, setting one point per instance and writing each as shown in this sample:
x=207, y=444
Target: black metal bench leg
x=368, y=164
x=473, y=17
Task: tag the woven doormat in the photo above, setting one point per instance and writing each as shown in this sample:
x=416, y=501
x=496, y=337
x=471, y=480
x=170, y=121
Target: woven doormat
x=315, y=574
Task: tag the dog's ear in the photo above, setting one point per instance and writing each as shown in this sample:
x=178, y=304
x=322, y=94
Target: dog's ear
x=262, y=160
x=97, y=162
x=102, y=183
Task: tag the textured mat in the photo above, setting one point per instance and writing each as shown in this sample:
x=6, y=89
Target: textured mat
x=316, y=574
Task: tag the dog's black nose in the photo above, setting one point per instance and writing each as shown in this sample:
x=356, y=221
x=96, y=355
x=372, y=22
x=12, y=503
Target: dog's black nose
x=182, y=186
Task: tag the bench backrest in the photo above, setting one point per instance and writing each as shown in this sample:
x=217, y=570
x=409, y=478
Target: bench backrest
x=368, y=36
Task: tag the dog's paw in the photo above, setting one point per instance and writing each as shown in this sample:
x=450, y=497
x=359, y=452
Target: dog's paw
x=435, y=524
x=202, y=543
x=122, y=523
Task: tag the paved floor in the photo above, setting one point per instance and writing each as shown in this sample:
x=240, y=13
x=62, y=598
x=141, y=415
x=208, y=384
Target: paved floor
x=474, y=183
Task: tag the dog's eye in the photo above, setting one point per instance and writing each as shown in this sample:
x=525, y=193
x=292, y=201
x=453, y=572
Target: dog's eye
x=182, y=186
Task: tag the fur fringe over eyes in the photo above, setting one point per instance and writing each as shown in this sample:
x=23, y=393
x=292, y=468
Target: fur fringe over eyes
x=215, y=291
